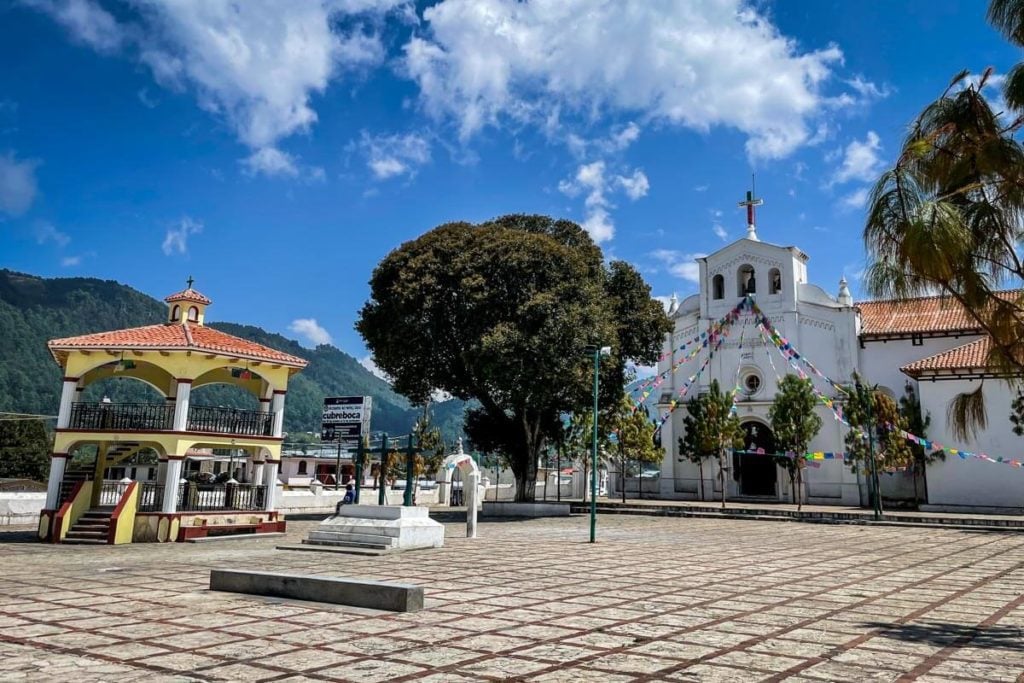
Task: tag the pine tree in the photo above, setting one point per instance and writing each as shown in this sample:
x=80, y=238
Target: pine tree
x=795, y=424
x=634, y=437
x=710, y=429
x=917, y=423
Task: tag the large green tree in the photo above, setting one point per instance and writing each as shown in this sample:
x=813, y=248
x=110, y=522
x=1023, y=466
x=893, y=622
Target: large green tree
x=710, y=429
x=795, y=424
x=947, y=217
x=503, y=313
x=24, y=450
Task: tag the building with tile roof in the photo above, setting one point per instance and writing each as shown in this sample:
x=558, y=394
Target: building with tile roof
x=174, y=358
x=930, y=344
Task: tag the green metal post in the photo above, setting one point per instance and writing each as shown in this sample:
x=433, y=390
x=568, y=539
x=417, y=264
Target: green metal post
x=410, y=455
x=381, y=499
x=593, y=454
x=360, y=454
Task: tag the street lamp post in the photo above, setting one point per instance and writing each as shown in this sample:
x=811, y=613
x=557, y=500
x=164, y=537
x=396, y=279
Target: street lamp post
x=598, y=351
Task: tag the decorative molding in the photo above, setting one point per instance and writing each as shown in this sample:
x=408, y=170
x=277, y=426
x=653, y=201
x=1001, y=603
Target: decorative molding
x=821, y=324
x=730, y=266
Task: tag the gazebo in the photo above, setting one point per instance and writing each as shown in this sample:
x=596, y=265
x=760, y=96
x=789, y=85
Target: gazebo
x=84, y=504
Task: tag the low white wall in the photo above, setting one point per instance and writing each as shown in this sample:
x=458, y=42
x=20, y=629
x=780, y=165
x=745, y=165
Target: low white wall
x=304, y=501
x=21, y=507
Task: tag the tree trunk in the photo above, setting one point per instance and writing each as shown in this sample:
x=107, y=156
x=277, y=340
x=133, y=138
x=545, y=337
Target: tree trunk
x=913, y=474
x=721, y=474
x=700, y=470
x=799, y=489
x=586, y=479
x=525, y=471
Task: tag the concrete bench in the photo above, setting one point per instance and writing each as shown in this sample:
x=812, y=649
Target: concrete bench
x=393, y=597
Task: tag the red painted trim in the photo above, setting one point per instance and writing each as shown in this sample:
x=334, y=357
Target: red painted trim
x=59, y=455
x=264, y=400
x=173, y=457
x=58, y=519
x=112, y=529
x=72, y=379
x=280, y=391
x=184, y=381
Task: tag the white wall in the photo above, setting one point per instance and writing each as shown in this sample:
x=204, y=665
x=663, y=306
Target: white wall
x=880, y=362
x=21, y=507
x=972, y=483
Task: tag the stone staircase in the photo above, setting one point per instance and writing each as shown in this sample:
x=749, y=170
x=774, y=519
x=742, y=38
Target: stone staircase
x=92, y=528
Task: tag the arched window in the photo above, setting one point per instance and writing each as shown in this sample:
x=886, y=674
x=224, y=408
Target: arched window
x=176, y=313
x=302, y=467
x=774, y=281
x=718, y=287
x=193, y=314
x=745, y=283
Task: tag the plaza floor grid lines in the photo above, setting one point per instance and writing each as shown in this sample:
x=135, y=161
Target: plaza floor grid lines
x=656, y=599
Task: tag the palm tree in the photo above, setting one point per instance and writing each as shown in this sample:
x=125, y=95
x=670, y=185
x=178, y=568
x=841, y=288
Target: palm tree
x=948, y=218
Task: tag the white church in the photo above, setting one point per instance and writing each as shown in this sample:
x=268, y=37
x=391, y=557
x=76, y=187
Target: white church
x=929, y=342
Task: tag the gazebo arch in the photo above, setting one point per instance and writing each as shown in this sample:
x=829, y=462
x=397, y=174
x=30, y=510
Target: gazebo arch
x=470, y=484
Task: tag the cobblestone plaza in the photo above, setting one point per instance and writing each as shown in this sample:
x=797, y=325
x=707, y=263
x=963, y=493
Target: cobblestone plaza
x=654, y=600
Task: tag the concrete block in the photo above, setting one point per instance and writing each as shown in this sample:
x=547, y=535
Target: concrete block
x=393, y=597
x=530, y=510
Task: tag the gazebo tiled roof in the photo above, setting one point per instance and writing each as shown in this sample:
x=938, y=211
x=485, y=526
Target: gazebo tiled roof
x=190, y=295
x=176, y=337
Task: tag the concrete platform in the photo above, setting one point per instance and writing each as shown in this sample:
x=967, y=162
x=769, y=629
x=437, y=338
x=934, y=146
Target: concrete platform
x=392, y=597
x=525, y=510
x=382, y=528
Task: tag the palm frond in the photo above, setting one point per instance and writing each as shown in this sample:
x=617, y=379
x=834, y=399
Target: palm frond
x=966, y=413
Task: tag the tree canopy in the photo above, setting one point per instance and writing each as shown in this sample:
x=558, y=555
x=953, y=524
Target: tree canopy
x=502, y=313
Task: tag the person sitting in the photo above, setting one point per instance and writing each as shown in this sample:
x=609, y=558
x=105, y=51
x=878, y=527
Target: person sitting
x=350, y=495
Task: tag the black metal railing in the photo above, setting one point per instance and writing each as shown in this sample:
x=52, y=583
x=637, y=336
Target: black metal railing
x=122, y=417
x=155, y=417
x=211, y=498
x=230, y=421
x=151, y=497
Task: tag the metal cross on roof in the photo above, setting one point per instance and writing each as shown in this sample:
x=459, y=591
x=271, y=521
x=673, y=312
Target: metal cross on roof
x=750, y=202
x=190, y=280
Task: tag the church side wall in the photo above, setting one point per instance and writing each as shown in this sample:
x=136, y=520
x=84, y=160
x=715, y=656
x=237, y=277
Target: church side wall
x=880, y=361
x=972, y=484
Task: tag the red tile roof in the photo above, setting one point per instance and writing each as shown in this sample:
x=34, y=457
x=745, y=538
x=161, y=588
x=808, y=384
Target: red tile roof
x=970, y=356
x=190, y=295
x=176, y=337
x=927, y=314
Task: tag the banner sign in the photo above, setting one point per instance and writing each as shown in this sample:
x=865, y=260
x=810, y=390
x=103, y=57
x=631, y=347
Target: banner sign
x=345, y=419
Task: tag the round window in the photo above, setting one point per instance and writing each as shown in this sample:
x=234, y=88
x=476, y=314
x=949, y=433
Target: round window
x=751, y=383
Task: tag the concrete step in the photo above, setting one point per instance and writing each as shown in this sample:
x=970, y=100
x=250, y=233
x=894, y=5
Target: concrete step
x=81, y=533
x=90, y=526
x=83, y=541
x=349, y=544
x=343, y=537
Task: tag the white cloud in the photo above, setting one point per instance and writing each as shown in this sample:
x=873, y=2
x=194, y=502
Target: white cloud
x=46, y=232
x=992, y=89
x=867, y=90
x=18, y=187
x=310, y=330
x=591, y=179
x=176, y=239
x=720, y=232
x=617, y=141
x=635, y=186
x=665, y=301
x=482, y=62
x=701, y=188
x=256, y=64
x=860, y=160
x=271, y=161
x=70, y=261
x=85, y=20
x=679, y=264
x=856, y=199
x=388, y=156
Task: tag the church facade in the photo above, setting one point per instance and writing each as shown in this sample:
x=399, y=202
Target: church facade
x=929, y=342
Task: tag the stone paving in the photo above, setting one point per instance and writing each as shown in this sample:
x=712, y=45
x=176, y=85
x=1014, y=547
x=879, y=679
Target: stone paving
x=655, y=600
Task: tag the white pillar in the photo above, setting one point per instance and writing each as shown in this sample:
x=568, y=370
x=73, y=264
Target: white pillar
x=472, y=482
x=277, y=408
x=270, y=481
x=67, y=398
x=257, y=473
x=181, y=406
x=57, y=463
x=172, y=475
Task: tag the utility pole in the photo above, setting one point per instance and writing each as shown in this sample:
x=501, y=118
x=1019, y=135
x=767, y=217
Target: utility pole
x=381, y=495
x=410, y=455
x=598, y=352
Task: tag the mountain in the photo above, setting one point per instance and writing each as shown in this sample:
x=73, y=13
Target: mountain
x=34, y=310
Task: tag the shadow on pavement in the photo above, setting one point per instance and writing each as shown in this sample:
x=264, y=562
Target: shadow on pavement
x=945, y=633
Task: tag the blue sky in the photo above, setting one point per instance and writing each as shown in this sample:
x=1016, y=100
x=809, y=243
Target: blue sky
x=148, y=140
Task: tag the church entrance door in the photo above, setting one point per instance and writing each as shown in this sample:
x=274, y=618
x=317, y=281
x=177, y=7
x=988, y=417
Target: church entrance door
x=757, y=473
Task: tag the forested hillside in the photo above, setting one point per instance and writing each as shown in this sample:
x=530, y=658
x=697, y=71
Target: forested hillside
x=34, y=309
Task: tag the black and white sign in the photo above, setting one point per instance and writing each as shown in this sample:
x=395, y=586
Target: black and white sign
x=345, y=418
